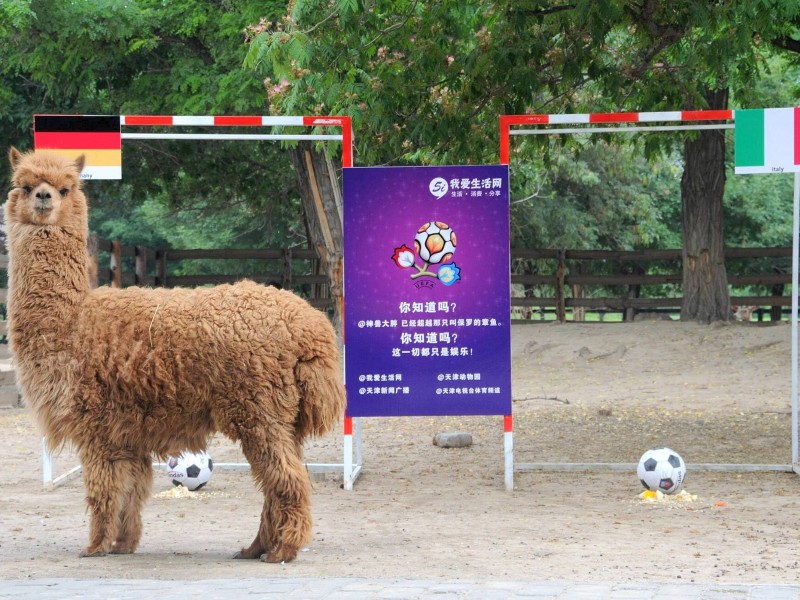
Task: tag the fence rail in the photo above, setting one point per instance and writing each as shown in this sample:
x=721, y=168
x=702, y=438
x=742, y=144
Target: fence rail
x=295, y=269
x=564, y=280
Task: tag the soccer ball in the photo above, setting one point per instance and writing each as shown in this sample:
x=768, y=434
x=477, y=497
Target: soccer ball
x=435, y=242
x=190, y=470
x=662, y=469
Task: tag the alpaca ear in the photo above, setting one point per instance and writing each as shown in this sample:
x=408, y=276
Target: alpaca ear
x=14, y=156
x=80, y=162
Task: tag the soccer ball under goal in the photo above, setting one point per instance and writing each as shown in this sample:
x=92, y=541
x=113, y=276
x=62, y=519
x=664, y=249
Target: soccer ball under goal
x=662, y=469
x=191, y=470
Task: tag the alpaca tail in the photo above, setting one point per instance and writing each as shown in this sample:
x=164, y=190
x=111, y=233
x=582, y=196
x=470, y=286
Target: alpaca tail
x=323, y=396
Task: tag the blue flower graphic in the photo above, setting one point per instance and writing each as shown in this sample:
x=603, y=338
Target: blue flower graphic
x=449, y=274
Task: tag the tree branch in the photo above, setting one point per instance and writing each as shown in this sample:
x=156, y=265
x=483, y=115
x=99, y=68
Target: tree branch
x=403, y=20
x=541, y=12
x=787, y=43
x=194, y=44
x=663, y=35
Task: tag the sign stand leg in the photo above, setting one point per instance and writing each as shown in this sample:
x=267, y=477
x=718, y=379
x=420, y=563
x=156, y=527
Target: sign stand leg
x=347, y=473
x=351, y=471
x=359, y=447
x=508, y=444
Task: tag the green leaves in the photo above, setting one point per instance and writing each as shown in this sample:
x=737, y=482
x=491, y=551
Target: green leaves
x=154, y=57
x=397, y=69
x=603, y=195
x=423, y=81
x=15, y=15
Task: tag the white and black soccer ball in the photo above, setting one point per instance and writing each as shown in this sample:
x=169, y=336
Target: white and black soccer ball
x=435, y=242
x=662, y=469
x=191, y=470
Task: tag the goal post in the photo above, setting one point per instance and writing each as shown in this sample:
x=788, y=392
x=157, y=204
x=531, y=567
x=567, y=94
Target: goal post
x=72, y=135
x=648, y=122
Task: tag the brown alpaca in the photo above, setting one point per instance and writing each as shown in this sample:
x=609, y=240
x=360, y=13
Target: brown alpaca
x=124, y=374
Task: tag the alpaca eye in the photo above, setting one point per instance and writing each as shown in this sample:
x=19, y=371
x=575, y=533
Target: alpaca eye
x=27, y=189
x=63, y=191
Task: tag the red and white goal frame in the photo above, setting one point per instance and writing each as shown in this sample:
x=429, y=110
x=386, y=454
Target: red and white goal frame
x=346, y=135
x=352, y=462
x=622, y=120
x=638, y=122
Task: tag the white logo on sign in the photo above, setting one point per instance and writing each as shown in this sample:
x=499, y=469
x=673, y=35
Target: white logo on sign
x=438, y=187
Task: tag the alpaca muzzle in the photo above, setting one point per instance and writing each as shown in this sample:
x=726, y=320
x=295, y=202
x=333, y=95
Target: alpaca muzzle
x=43, y=202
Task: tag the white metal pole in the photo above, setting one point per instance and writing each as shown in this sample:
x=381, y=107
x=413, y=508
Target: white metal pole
x=230, y=136
x=795, y=246
x=508, y=448
x=620, y=129
x=47, y=466
x=347, y=448
x=359, y=445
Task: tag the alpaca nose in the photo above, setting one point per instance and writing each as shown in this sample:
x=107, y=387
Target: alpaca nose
x=43, y=201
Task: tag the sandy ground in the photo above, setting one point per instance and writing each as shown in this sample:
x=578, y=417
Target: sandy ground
x=583, y=393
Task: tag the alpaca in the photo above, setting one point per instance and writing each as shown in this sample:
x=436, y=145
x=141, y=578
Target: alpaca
x=125, y=374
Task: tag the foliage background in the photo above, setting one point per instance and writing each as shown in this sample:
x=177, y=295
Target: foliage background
x=423, y=82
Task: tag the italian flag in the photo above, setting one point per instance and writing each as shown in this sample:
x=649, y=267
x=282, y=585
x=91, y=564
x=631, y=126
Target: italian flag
x=767, y=140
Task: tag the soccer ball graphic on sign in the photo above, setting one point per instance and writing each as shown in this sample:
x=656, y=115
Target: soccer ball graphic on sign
x=191, y=470
x=662, y=469
x=435, y=242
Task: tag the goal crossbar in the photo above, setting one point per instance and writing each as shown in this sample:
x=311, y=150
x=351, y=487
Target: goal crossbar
x=621, y=129
x=600, y=122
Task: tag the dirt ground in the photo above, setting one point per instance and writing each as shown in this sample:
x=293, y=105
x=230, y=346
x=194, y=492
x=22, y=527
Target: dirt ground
x=584, y=393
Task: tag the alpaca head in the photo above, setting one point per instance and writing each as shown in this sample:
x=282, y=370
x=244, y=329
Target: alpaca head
x=47, y=190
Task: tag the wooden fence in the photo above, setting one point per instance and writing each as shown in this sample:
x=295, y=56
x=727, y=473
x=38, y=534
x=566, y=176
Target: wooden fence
x=565, y=283
x=632, y=282
x=287, y=268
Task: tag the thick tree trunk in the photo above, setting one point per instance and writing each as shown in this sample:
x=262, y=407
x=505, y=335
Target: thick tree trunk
x=322, y=203
x=705, y=280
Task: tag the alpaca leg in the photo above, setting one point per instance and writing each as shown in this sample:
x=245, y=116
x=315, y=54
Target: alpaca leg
x=265, y=537
x=105, y=484
x=286, y=516
x=130, y=532
x=264, y=540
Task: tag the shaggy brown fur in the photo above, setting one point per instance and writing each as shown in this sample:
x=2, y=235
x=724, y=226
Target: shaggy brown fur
x=126, y=374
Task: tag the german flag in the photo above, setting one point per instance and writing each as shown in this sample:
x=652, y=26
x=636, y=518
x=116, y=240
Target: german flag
x=98, y=137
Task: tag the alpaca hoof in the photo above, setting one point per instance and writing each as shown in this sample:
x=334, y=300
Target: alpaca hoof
x=124, y=545
x=254, y=550
x=89, y=553
x=279, y=555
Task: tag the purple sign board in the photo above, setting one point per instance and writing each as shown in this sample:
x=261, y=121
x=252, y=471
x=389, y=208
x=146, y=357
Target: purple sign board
x=426, y=287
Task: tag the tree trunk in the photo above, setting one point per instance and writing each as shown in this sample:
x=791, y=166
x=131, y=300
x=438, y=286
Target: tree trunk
x=322, y=203
x=705, y=280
